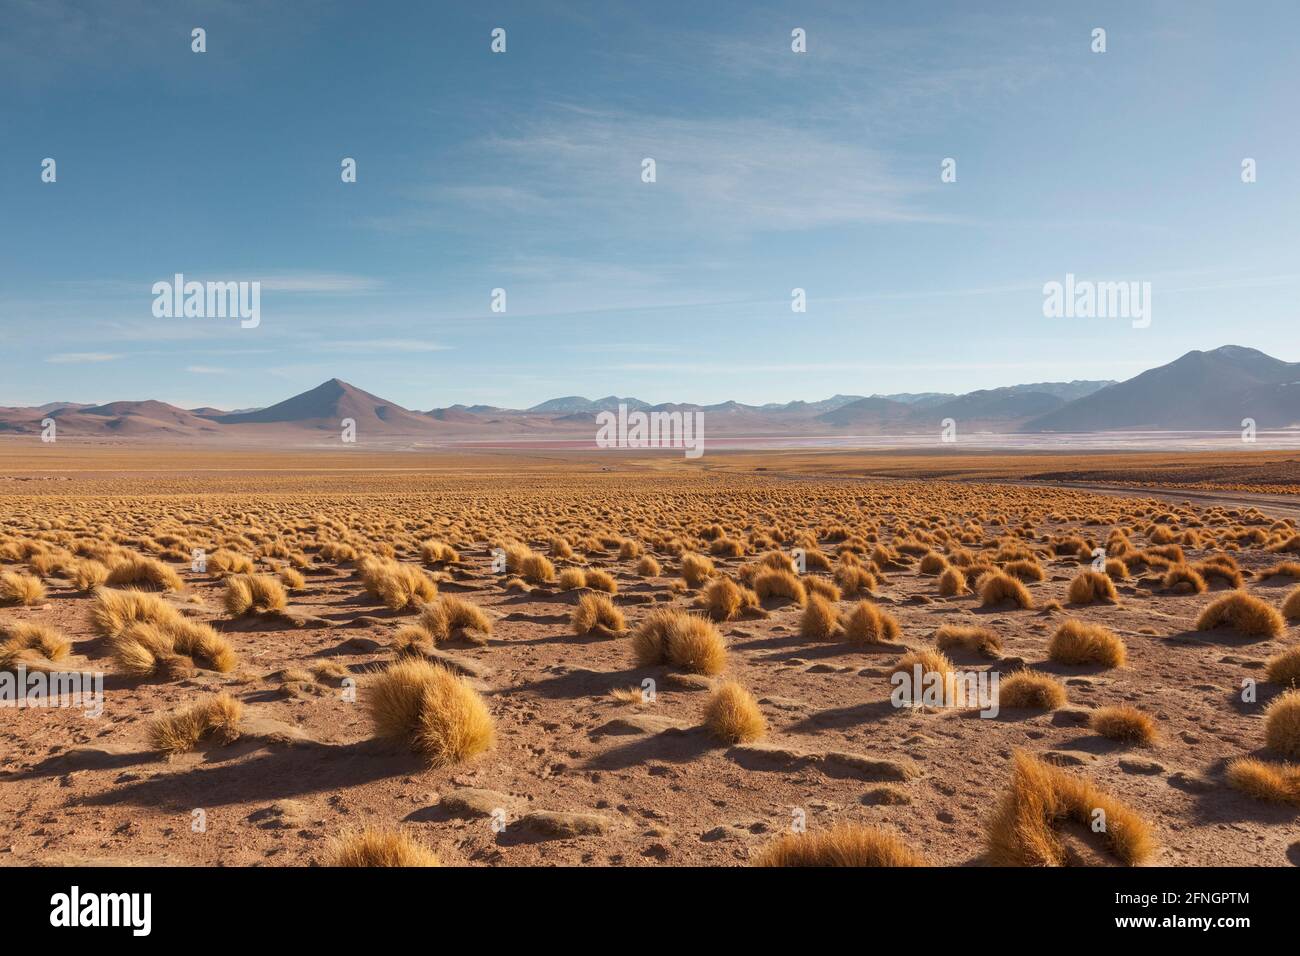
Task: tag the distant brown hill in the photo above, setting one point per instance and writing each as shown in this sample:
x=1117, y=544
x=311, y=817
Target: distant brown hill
x=1211, y=390
x=1200, y=391
x=329, y=403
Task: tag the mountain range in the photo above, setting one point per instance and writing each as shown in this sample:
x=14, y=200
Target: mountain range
x=1212, y=390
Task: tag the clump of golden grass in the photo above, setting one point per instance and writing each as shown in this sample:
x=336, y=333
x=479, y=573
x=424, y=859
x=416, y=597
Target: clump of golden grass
x=684, y=641
x=113, y=610
x=723, y=599
x=1025, y=569
x=819, y=622
x=732, y=714
x=216, y=718
x=379, y=847
x=822, y=587
x=997, y=587
x=431, y=710
x=433, y=552
x=774, y=583
x=169, y=646
x=1123, y=723
x=648, y=567
x=854, y=580
x=141, y=572
x=849, y=844
x=537, y=569
x=292, y=579
x=1265, y=781
x=868, y=623
x=1090, y=586
x=1182, y=579
x=1245, y=614
x=952, y=582
x=1116, y=569
x=932, y=563
x=572, y=578
x=931, y=662
x=253, y=593
x=1282, y=724
x=1291, y=605
x=1030, y=690
x=1221, y=568
x=1042, y=798
x=19, y=588
x=34, y=646
x=1286, y=569
x=88, y=574
x=222, y=562
x=335, y=551
x=397, y=586
x=1284, y=668
x=599, y=580
x=561, y=550
x=968, y=638
x=597, y=611
x=450, y=616
x=696, y=569
x=1078, y=642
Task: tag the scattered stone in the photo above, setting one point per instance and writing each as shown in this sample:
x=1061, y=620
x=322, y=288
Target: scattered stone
x=1140, y=765
x=473, y=802
x=560, y=824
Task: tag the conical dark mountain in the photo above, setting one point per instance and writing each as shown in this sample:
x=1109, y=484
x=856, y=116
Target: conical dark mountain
x=1201, y=391
x=326, y=405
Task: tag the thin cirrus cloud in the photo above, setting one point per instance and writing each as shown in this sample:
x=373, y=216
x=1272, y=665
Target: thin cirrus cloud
x=733, y=176
x=81, y=358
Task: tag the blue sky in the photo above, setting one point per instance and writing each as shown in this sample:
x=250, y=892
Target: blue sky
x=521, y=171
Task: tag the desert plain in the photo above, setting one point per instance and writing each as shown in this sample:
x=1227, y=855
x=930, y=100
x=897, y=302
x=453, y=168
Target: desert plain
x=548, y=657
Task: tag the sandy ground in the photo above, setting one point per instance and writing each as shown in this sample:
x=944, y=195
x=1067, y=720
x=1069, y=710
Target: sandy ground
x=75, y=789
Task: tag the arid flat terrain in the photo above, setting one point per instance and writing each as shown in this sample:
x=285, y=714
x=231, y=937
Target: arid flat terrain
x=765, y=601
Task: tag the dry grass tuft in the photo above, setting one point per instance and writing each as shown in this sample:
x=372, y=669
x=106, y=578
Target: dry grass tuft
x=1284, y=668
x=431, y=710
x=1124, y=723
x=773, y=583
x=849, y=844
x=1090, y=586
x=968, y=638
x=597, y=610
x=1181, y=579
x=254, y=593
x=1030, y=690
x=1291, y=605
x=683, y=641
x=215, y=718
x=141, y=572
x=1243, y=613
x=952, y=583
x=997, y=587
x=397, y=586
x=1024, y=831
x=868, y=623
x=18, y=588
x=379, y=847
x=819, y=622
x=1078, y=642
x=1282, y=724
x=732, y=714
x=696, y=569
x=35, y=646
x=1265, y=781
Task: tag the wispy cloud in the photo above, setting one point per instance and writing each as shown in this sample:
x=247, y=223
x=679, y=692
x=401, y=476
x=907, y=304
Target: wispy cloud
x=78, y=358
x=362, y=344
